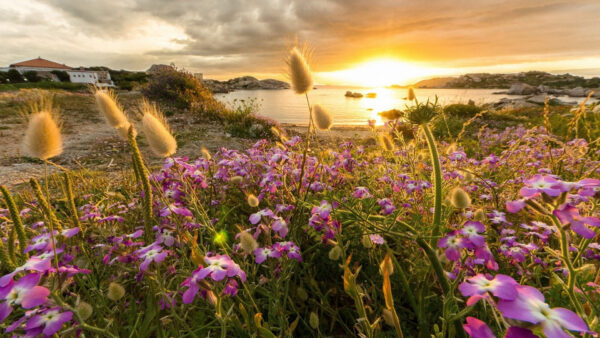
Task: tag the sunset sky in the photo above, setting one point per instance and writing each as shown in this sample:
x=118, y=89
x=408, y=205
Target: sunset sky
x=381, y=39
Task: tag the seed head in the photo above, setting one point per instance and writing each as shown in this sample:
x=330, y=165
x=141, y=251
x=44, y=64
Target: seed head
x=112, y=111
x=386, y=142
x=157, y=132
x=299, y=72
x=42, y=137
x=459, y=198
x=115, y=291
x=247, y=242
x=411, y=94
x=323, y=120
x=236, y=179
x=252, y=201
x=335, y=253
x=85, y=310
x=313, y=320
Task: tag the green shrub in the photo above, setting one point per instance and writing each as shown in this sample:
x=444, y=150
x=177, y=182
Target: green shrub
x=32, y=76
x=181, y=90
x=462, y=110
x=61, y=75
x=14, y=76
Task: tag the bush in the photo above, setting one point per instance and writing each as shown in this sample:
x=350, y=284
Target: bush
x=181, y=90
x=61, y=75
x=14, y=76
x=3, y=77
x=242, y=121
x=32, y=76
x=462, y=110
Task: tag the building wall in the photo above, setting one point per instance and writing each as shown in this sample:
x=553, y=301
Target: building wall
x=83, y=76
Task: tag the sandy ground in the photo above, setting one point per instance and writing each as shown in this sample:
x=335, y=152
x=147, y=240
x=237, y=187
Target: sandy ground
x=90, y=143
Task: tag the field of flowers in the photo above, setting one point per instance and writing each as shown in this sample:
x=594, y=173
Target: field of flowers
x=406, y=237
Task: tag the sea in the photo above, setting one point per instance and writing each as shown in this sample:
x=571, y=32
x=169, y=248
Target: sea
x=285, y=106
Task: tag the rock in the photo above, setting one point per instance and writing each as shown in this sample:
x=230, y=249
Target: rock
x=543, y=89
x=352, y=94
x=577, y=92
x=541, y=99
x=244, y=82
x=521, y=89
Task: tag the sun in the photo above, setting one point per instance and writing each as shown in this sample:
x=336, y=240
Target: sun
x=380, y=73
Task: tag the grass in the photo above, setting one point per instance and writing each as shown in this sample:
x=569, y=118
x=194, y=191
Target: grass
x=370, y=225
x=42, y=85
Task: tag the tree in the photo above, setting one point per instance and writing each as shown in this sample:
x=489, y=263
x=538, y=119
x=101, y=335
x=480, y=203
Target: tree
x=14, y=76
x=32, y=76
x=61, y=75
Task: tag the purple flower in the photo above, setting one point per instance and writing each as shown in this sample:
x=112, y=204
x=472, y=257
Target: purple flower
x=32, y=264
x=453, y=244
x=261, y=254
x=293, y=252
x=361, y=192
x=529, y=306
x=219, y=267
x=377, y=239
x=515, y=206
x=149, y=254
x=519, y=332
x=477, y=329
x=48, y=322
x=24, y=292
x=280, y=226
x=541, y=184
x=176, y=209
x=257, y=216
x=478, y=286
x=231, y=288
x=471, y=230
x=387, y=207
x=323, y=210
x=568, y=214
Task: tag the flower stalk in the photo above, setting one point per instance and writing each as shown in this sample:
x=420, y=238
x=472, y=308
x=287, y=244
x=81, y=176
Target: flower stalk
x=16, y=219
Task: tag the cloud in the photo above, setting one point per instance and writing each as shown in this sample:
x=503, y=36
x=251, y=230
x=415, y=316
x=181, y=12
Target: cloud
x=235, y=36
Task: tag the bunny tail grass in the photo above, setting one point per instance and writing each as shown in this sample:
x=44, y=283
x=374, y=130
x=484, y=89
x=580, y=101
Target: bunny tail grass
x=142, y=173
x=68, y=186
x=16, y=218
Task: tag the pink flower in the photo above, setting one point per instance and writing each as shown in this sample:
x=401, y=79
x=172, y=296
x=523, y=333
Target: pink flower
x=149, y=254
x=542, y=184
x=24, y=292
x=48, y=322
x=568, y=214
x=453, y=244
x=471, y=230
x=529, y=306
x=478, y=287
x=261, y=254
x=475, y=328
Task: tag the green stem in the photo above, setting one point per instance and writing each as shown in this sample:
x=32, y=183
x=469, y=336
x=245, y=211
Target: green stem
x=143, y=173
x=5, y=259
x=68, y=185
x=16, y=218
x=306, y=145
x=564, y=247
x=437, y=182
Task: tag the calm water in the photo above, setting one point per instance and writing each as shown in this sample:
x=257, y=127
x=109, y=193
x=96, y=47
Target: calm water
x=285, y=106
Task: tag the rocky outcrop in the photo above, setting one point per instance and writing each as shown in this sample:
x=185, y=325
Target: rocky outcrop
x=353, y=94
x=522, y=89
x=244, y=82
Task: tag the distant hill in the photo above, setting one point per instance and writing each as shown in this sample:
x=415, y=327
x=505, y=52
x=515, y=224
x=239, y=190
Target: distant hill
x=532, y=78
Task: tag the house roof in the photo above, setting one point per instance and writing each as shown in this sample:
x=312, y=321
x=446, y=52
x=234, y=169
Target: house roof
x=41, y=63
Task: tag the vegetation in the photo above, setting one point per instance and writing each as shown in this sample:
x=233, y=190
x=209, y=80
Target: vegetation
x=42, y=85
x=62, y=75
x=440, y=235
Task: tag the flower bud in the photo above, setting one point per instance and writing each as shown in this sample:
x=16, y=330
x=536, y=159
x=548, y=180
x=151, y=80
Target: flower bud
x=84, y=309
x=366, y=242
x=313, y=320
x=386, y=142
x=247, y=242
x=386, y=264
x=236, y=179
x=302, y=294
x=252, y=201
x=205, y=153
x=115, y=291
x=388, y=317
x=335, y=253
x=480, y=215
x=459, y=198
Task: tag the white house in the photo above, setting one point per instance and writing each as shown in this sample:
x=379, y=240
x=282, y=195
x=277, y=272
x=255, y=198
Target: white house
x=76, y=75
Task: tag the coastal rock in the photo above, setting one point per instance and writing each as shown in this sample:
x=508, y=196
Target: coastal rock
x=244, y=82
x=541, y=99
x=522, y=89
x=353, y=94
x=577, y=92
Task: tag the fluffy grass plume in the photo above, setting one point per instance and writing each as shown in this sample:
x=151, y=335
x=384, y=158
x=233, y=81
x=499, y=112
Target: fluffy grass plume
x=322, y=118
x=157, y=132
x=42, y=136
x=299, y=72
x=112, y=111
